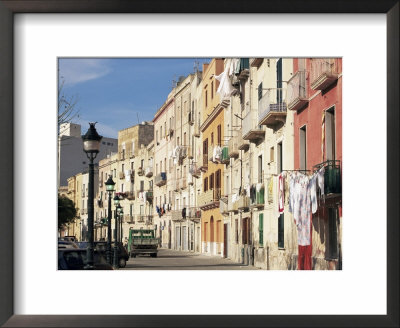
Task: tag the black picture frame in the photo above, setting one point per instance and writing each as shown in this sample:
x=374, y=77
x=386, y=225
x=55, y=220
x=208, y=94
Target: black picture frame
x=10, y=7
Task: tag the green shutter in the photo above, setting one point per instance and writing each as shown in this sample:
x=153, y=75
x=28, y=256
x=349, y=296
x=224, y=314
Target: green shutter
x=261, y=228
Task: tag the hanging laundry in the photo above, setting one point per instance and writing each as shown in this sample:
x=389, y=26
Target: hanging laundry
x=128, y=175
x=313, y=193
x=291, y=192
x=321, y=175
x=270, y=190
x=225, y=88
x=281, y=194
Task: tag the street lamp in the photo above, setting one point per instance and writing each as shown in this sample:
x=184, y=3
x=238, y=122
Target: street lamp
x=117, y=208
x=110, y=185
x=91, y=146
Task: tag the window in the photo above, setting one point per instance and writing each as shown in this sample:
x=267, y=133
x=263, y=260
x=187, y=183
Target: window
x=122, y=187
x=123, y=168
x=142, y=163
x=218, y=179
x=115, y=173
x=156, y=136
x=161, y=135
x=260, y=169
x=165, y=165
x=261, y=229
x=212, y=181
x=205, y=184
x=333, y=243
x=206, y=98
x=245, y=231
x=280, y=157
x=132, y=166
x=330, y=133
x=281, y=242
x=237, y=231
x=271, y=154
x=165, y=128
x=184, y=139
x=303, y=148
x=212, y=138
x=141, y=185
x=260, y=91
x=219, y=135
x=212, y=89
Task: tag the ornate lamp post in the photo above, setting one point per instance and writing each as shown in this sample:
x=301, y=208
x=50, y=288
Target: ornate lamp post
x=91, y=146
x=110, y=185
x=117, y=207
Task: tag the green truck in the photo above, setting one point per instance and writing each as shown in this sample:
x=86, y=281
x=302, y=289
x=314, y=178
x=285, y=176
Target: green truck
x=142, y=241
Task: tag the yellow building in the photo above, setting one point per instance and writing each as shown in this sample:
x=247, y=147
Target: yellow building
x=212, y=128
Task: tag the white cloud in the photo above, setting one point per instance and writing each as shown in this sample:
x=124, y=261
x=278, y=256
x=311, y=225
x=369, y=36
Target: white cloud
x=74, y=71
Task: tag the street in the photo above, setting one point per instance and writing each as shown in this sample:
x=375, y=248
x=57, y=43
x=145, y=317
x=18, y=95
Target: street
x=176, y=260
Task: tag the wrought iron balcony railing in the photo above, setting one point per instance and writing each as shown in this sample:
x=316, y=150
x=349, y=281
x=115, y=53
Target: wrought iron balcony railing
x=272, y=107
x=297, y=91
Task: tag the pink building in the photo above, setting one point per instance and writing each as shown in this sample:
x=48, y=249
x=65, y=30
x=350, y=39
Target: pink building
x=315, y=93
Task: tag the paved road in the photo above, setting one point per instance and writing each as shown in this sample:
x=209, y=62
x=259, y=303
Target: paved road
x=175, y=260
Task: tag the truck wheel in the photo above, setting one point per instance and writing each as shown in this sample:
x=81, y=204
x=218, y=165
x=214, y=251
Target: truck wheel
x=122, y=263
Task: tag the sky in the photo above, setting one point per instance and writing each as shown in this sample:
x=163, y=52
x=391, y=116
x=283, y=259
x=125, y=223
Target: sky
x=120, y=92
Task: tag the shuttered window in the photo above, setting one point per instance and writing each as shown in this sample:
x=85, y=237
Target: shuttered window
x=260, y=91
x=261, y=228
x=281, y=242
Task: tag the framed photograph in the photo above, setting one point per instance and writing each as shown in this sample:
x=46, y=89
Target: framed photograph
x=36, y=35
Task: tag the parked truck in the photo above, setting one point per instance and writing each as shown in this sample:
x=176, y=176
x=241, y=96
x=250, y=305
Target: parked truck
x=142, y=241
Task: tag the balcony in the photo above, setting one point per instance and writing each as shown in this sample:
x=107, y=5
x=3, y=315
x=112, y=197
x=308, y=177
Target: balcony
x=149, y=171
x=209, y=199
x=182, y=153
x=196, y=131
x=193, y=213
x=121, y=175
x=233, y=149
x=177, y=185
x=142, y=218
x=160, y=179
x=256, y=62
x=190, y=152
x=204, y=163
x=258, y=202
x=130, y=195
x=250, y=129
x=190, y=179
x=232, y=206
x=225, y=159
x=324, y=72
x=184, y=182
x=272, y=107
x=194, y=170
x=149, y=196
x=332, y=177
x=297, y=91
x=140, y=171
x=243, y=203
x=223, y=206
x=129, y=219
x=242, y=144
x=191, y=118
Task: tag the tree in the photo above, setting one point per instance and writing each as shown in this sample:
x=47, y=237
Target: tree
x=66, y=106
x=66, y=211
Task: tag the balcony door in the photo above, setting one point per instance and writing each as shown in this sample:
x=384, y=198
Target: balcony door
x=279, y=81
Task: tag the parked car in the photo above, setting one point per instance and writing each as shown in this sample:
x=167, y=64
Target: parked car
x=123, y=256
x=75, y=259
x=67, y=244
x=82, y=244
